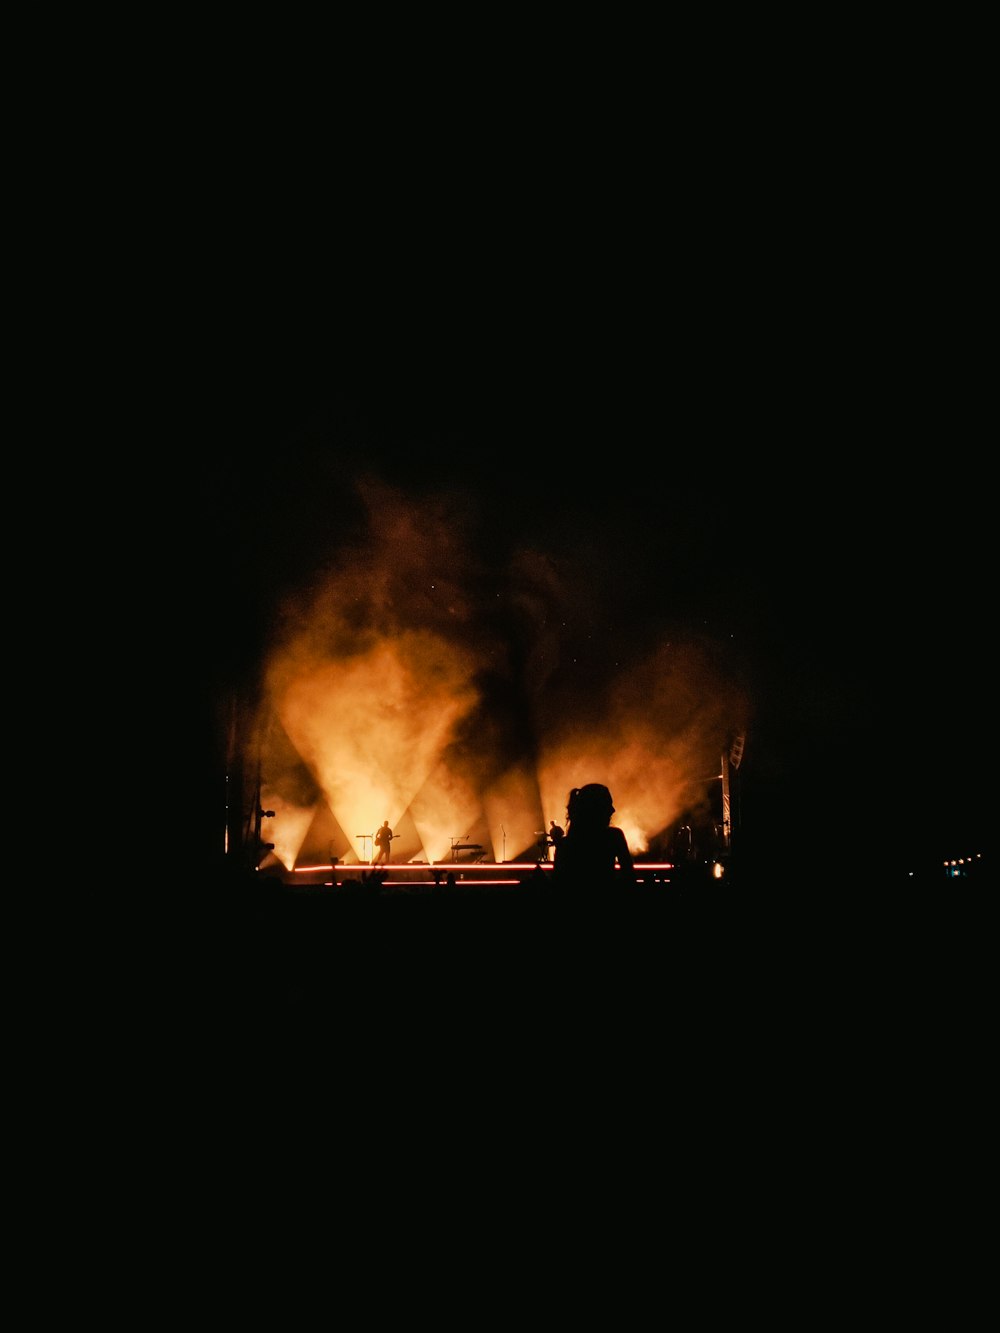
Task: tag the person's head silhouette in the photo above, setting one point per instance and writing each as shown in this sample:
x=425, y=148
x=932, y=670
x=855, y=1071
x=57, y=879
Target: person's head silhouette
x=590, y=806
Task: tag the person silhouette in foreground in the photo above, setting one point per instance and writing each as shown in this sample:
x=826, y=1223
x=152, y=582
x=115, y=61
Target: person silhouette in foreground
x=594, y=856
x=383, y=837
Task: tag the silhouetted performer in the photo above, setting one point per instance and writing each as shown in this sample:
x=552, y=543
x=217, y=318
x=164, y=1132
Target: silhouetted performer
x=383, y=837
x=594, y=855
x=556, y=835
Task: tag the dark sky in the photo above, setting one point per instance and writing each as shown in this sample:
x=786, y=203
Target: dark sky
x=792, y=467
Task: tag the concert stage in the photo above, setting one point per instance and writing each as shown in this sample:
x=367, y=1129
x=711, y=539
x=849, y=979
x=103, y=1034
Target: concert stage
x=415, y=876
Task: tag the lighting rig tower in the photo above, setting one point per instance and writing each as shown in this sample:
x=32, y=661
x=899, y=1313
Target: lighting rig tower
x=256, y=846
x=731, y=760
x=244, y=813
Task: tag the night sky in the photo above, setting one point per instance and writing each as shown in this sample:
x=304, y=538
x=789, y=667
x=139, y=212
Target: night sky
x=772, y=473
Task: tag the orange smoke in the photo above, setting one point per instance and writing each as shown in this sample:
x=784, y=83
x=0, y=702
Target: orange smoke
x=412, y=686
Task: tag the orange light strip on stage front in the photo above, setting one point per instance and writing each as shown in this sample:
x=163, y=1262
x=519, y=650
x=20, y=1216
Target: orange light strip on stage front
x=430, y=866
x=454, y=867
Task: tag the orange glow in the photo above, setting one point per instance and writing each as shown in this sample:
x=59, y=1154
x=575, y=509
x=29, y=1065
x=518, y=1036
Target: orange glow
x=390, y=692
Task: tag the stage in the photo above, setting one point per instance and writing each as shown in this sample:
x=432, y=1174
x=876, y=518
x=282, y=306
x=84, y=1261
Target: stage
x=413, y=876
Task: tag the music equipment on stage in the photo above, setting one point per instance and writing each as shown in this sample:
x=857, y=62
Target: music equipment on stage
x=457, y=845
x=367, y=837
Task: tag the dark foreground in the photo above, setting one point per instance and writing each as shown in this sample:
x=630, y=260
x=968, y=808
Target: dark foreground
x=797, y=1071
x=702, y=1050
x=785, y=960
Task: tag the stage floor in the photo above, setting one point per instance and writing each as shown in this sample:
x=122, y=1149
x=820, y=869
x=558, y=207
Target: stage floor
x=421, y=874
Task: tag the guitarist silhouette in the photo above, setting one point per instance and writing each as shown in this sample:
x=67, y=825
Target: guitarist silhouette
x=383, y=837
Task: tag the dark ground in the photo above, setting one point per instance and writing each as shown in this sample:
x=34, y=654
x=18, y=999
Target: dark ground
x=788, y=961
x=797, y=1065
